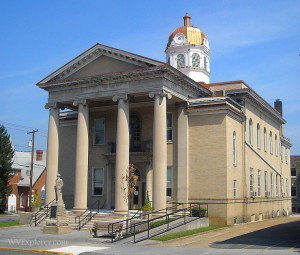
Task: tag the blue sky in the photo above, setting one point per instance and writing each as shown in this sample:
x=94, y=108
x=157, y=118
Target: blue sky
x=257, y=41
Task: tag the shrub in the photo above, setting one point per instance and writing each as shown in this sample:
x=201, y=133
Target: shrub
x=198, y=211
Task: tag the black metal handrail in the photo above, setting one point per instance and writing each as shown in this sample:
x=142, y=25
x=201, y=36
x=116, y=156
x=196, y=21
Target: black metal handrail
x=186, y=210
x=42, y=213
x=112, y=230
x=195, y=210
x=89, y=216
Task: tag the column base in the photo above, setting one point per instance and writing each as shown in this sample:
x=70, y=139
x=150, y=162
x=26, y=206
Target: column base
x=78, y=210
x=121, y=212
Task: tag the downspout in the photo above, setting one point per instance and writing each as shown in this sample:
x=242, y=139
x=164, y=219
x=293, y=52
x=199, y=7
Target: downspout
x=245, y=198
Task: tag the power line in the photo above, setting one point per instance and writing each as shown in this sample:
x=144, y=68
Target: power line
x=21, y=126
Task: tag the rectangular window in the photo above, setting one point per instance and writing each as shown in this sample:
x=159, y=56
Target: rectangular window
x=266, y=184
x=234, y=148
x=169, y=127
x=258, y=183
x=251, y=181
x=98, y=181
x=234, y=188
x=99, y=132
x=294, y=191
x=169, y=181
x=272, y=184
x=293, y=172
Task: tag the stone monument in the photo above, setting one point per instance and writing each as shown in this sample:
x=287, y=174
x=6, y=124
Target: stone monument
x=57, y=223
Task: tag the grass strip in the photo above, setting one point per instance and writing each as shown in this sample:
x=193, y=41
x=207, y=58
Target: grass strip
x=11, y=223
x=186, y=233
x=158, y=223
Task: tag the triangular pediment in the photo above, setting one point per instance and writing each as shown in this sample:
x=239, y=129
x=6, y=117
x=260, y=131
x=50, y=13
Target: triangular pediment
x=98, y=60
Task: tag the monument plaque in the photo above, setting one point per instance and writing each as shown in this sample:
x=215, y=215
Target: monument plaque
x=53, y=210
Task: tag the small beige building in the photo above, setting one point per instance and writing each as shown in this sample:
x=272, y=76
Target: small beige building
x=189, y=140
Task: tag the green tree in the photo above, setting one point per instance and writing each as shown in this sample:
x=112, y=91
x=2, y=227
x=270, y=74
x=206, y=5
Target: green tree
x=6, y=155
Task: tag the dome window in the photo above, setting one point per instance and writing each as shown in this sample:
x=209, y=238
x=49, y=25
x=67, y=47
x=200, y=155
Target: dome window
x=196, y=60
x=180, y=61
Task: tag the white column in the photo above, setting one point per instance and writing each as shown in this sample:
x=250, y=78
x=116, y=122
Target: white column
x=52, y=151
x=183, y=156
x=159, y=197
x=122, y=155
x=81, y=163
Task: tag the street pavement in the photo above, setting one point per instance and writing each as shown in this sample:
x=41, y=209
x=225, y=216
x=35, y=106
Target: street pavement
x=274, y=236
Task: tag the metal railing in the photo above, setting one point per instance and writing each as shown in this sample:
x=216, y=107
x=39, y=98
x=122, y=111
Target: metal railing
x=39, y=216
x=113, y=228
x=83, y=219
x=186, y=211
x=136, y=146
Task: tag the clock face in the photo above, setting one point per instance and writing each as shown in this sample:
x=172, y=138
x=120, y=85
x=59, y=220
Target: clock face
x=179, y=38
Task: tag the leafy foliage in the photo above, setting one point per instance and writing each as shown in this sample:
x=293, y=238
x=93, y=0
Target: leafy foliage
x=6, y=155
x=147, y=207
x=36, y=202
x=129, y=182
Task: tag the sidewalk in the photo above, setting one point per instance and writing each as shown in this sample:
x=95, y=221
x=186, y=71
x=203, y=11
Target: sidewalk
x=80, y=241
x=205, y=240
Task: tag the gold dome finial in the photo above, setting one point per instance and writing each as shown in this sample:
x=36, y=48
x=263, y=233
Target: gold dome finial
x=187, y=20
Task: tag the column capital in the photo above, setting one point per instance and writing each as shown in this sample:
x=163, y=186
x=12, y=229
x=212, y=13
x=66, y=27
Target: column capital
x=51, y=105
x=161, y=93
x=82, y=101
x=120, y=97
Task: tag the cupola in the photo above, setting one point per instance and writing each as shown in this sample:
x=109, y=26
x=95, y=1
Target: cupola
x=188, y=51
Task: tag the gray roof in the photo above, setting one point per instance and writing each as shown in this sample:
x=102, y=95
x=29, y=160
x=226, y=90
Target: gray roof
x=22, y=161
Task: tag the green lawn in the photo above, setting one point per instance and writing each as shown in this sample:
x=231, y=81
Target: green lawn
x=11, y=223
x=185, y=233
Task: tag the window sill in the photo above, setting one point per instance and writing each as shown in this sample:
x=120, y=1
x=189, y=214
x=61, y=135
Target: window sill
x=97, y=195
x=169, y=142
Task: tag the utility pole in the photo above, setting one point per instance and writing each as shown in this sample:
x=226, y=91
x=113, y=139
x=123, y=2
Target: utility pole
x=31, y=167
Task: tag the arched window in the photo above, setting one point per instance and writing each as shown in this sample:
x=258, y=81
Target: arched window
x=195, y=60
x=205, y=64
x=234, y=148
x=258, y=136
x=180, y=61
x=135, y=133
x=265, y=139
x=276, y=146
x=250, y=132
x=271, y=143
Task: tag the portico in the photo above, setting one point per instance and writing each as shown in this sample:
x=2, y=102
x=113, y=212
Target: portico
x=155, y=87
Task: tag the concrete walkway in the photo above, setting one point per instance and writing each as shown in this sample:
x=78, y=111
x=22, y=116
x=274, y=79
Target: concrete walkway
x=268, y=234
x=251, y=238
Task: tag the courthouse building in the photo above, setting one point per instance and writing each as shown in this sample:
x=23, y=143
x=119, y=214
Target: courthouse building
x=189, y=140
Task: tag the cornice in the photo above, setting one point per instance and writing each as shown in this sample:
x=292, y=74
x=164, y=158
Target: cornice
x=164, y=71
x=285, y=141
x=260, y=102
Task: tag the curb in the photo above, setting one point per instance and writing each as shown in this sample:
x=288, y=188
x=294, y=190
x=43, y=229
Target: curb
x=36, y=251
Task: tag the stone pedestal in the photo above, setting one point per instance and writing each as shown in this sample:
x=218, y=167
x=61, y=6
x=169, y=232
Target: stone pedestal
x=58, y=222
